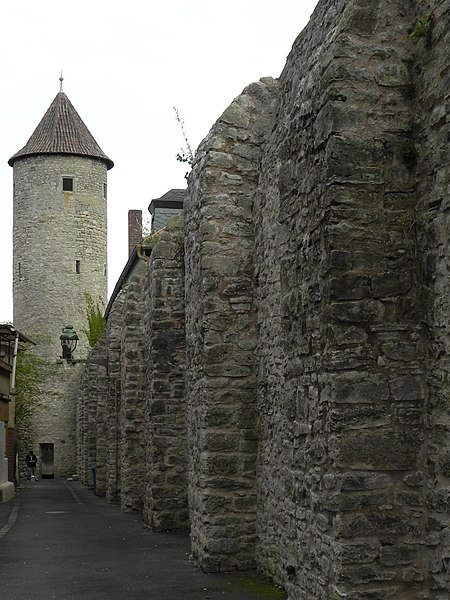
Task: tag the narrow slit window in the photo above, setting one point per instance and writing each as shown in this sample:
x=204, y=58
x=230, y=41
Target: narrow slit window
x=105, y=191
x=67, y=184
x=20, y=270
x=78, y=266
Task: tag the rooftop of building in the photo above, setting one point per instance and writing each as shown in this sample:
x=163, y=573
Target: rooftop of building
x=62, y=131
x=174, y=197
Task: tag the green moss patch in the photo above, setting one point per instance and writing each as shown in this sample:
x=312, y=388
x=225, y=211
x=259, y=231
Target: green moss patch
x=259, y=587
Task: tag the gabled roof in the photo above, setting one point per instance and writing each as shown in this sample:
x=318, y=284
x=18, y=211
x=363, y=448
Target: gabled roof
x=62, y=131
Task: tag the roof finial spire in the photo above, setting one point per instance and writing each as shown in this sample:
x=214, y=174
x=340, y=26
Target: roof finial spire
x=61, y=79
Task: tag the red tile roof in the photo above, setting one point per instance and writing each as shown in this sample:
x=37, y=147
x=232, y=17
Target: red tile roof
x=62, y=131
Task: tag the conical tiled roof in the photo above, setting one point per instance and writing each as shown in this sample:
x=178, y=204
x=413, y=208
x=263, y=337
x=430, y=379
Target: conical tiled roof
x=62, y=131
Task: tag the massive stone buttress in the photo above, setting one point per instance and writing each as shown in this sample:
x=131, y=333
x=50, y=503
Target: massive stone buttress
x=221, y=333
x=165, y=493
x=430, y=224
x=342, y=350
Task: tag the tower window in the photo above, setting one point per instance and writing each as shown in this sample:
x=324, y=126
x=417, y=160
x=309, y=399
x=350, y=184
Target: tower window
x=67, y=184
x=20, y=270
x=78, y=266
x=105, y=191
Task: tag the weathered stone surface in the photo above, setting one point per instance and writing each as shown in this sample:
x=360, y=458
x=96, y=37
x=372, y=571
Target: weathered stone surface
x=165, y=458
x=360, y=388
x=132, y=383
x=48, y=219
x=311, y=439
x=337, y=304
x=384, y=451
x=220, y=343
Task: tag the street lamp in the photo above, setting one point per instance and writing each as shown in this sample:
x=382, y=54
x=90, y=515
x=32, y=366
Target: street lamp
x=69, y=341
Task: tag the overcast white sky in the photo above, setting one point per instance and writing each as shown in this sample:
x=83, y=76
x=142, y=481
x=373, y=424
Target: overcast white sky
x=125, y=66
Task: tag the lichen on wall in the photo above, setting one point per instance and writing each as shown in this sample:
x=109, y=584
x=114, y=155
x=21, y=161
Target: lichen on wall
x=221, y=333
x=296, y=349
x=432, y=229
x=342, y=384
x=165, y=493
x=132, y=385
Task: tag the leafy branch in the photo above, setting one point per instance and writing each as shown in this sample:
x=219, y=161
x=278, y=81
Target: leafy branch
x=185, y=155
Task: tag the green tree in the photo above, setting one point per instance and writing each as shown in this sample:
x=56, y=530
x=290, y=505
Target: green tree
x=96, y=322
x=31, y=372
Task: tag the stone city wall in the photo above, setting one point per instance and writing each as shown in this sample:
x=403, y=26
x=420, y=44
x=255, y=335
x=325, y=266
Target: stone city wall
x=430, y=224
x=165, y=494
x=131, y=423
x=299, y=397
x=91, y=401
x=132, y=384
x=221, y=333
x=341, y=364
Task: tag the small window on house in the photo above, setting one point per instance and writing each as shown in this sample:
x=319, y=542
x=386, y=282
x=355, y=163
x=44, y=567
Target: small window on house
x=67, y=184
x=78, y=266
x=105, y=191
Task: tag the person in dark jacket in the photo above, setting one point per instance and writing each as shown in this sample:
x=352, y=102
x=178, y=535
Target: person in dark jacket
x=31, y=460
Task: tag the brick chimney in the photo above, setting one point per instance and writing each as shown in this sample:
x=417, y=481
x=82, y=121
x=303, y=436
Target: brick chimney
x=134, y=229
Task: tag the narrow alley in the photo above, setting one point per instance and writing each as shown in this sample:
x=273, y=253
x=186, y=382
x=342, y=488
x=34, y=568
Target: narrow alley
x=59, y=541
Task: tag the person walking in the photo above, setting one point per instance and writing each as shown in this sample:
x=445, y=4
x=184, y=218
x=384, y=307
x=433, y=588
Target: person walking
x=31, y=460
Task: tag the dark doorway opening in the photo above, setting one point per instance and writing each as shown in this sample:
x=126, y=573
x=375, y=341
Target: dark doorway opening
x=47, y=460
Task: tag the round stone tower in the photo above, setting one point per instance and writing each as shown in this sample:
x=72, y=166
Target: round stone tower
x=59, y=256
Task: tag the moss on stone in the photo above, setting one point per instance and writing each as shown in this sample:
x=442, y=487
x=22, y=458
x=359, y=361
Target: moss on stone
x=260, y=587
